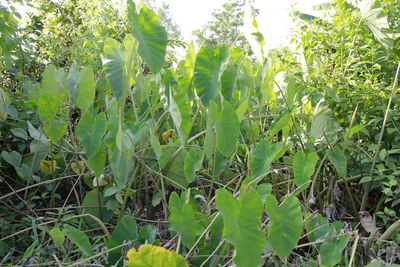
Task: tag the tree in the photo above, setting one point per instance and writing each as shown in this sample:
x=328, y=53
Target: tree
x=225, y=27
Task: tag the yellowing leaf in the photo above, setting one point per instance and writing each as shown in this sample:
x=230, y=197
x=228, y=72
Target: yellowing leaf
x=168, y=135
x=154, y=256
x=48, y=166
x=77, y=167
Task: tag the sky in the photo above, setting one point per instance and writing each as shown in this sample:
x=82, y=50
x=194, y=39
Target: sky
x=273, y=21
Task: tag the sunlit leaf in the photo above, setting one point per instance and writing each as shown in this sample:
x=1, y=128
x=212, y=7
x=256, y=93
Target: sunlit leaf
x=151, y=35
x=152, y=256
x=81, y=87
x=242, y=220
x=376, y=19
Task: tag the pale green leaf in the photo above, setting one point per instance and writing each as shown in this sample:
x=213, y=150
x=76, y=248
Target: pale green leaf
x=181, y=115
x=227, y=128
x=151, y=36
x=182, y=219
x=97, y=161
x=303, y=168
x=377, y=20
x=58, y=236
x=80, y=239
x=81, y=87
x=331, y=249
x=193, y=162
x=286, y=224
x=242, y=221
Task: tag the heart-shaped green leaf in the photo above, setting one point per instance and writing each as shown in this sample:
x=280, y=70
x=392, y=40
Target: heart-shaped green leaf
x=242, y=221
x=286, y=224
x=90, y=130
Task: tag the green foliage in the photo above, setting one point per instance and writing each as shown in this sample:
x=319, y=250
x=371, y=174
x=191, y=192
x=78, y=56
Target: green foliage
x=262, y=157
x=151, y=36
x=286, y=224
x=209, y=67
x=182, y=219
x=125, y=231
x=303, y=167
x=338, y=159
x=90, y=130
x=331, y=249
x=81, y=87
x=193, y=162
x=80, y=239
x=226, y=127
x=241, y=225
x=100, y=129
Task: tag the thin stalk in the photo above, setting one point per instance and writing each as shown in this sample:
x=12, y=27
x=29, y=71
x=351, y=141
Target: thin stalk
x=378, y=147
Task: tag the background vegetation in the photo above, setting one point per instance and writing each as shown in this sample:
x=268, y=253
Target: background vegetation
x=231, y=156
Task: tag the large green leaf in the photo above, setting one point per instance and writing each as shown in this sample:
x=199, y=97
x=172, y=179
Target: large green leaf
x=175, y=171
x=231, y=73
x=227, y=128
x=125, y=231
x=303, y=168
x=121, y=159
x=116, y=61
x=242, y=221
x=209, y=67
x=94, y=204
x=338, y=159
x=182, y=219
x=181, y=114
x=90, y=130
x=58, y=236
x=286, y=224
x=151, y=36
x=266, y=90
x=280, y=124
x=14, y=158
x=80, y=239
x=331, y=249
x=98, y=161
x=376, y=19
x=193, y=162
x=154, y=256
x=262, y=157
x=185, y=71
x=81, y=87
